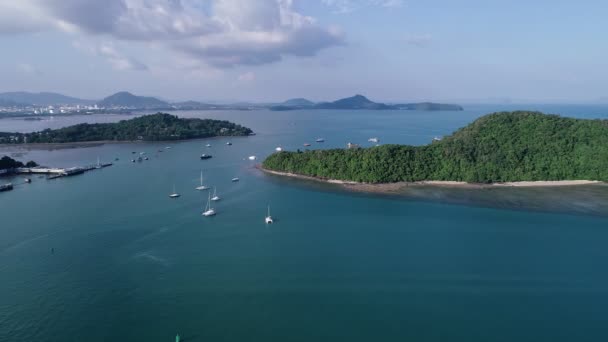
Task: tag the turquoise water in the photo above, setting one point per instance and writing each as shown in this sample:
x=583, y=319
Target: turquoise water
x=130, y=264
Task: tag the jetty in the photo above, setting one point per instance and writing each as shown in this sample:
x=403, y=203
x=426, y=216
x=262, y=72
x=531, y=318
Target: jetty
x=60, y=172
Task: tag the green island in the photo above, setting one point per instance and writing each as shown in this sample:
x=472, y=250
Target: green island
x=155, y=127
x=500, y=147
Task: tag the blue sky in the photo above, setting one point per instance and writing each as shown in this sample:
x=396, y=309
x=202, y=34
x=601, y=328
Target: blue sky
x=268, y=50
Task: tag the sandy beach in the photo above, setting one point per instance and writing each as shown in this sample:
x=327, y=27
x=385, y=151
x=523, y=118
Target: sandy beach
x=395, y=187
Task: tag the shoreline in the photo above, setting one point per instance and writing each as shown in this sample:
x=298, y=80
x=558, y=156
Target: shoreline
x=85, y=144
x=394, y=187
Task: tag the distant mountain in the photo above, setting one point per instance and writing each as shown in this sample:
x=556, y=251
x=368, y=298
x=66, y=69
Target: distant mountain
x=126, y=99
x=429, y=106
x=298, y=102
x=11, y=103
x=354, y=102
x=293, y=104
x=361, y=102
x=192, y=105
x=42, y=99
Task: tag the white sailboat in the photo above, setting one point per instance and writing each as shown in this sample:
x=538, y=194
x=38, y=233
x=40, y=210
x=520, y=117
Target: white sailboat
x=202, y=186
x=215, y=197
x=208, y=210
x=268, y=219
x=174, y=194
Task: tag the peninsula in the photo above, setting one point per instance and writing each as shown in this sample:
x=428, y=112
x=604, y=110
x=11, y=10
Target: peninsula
x=155, y=127
x=505, y=147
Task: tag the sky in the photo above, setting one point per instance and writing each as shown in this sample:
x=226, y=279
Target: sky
x=270, y=50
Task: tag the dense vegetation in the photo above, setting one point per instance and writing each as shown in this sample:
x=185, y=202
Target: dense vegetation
x=500, y=147
x=9, y=163
x=156, y=127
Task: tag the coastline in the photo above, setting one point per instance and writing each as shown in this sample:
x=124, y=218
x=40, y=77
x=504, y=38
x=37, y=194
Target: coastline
x=84, y=144
x=395, y=187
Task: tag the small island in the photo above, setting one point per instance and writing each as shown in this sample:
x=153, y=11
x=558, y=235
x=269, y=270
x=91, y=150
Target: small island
x=501, y=148
x=155, y=127
x=358, y=102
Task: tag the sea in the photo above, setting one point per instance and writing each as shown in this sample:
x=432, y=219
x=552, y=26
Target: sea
x=108, y=256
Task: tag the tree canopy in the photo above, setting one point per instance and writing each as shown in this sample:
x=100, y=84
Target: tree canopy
x=499, y=147
x=156, y=127
x=10, y=163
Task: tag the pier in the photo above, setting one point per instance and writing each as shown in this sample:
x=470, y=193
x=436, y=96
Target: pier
x=59, y=172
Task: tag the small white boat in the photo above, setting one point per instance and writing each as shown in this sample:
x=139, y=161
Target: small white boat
x=320, y=140
x=235, y=179
x=278, y=149
x=208, y=145
x=168, y=147
x=215, y=197
x=268, y=218
x=208, y=210
x=373, y=140
x=253, y=157
x=229, y=143
x=202, y=186
x=174, y=194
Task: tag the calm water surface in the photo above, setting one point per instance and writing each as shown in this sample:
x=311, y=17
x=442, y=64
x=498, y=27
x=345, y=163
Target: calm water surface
x=131, y=264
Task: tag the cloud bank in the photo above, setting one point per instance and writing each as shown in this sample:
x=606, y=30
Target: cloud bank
x=221, y=33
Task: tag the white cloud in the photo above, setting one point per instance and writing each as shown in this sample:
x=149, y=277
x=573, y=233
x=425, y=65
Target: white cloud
x=222, y=33
x=346, y=6
x=110, y=53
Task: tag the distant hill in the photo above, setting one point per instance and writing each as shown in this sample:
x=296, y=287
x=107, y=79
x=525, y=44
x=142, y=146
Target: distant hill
x=11, y=103
x=126, y=99
x=293, y=104
x=192, y=105
x=42, y=99
x=354, y=102
x=298, y=102
x=361, y=102
x=429, y=106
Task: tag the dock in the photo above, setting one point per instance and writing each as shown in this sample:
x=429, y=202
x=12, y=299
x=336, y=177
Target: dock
x=60, y=172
